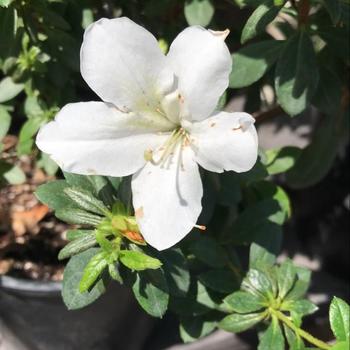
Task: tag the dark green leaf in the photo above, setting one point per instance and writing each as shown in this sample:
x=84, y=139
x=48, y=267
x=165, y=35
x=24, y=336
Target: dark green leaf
x=222, y=281
x=230, y=191
x=77, y=216
x=138, y=261
x=250, y=63
x=93, y=271
x=272, y=338
x=71, y=279
x=237, y=323
x=151, y=291
x=208, y=251
x=286, y=277
x=296, y=74
x=193, y=328
x=258, y=21
x=339, y=316
x=244, y=302
x=8, y=29
x=334, y=9
x=79, y=245
x=199, y=12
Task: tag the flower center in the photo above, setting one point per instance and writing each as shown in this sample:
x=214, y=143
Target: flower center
x=167, y=150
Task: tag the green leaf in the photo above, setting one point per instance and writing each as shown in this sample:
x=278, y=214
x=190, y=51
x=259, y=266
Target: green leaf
x=77, y=216
x=193, y=328
x=78, y=245
x=334, y=9
x=282, y=159
x=222, y=281
x=28, y=130
x=244, y=302
x=208, y=251
x=260, y=18
x=294, y=341
x=5, y=122
x=199, y=12
x=301, y=307
x=176, y=271
x=47, y=164
x=327, y=97
x=9, y=89
x=230, y=191
x=8, y=28
x=93, y=270
x=237, y=323
x=296, y=74
x=52, y=194
x=151, y=291
x=301, y=285
x=85, y=200
x=339, y=315
x=272, y=338
x=286, y=276
x=317, y=158
x=258, y=283
x=15, y=175
x=71, y=279
x=250, y=63
x=71, y=235
x=5, y=3
x=138, y=261
x=344, y=345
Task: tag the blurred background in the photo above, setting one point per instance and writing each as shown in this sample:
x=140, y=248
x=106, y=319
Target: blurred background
x=39, y=62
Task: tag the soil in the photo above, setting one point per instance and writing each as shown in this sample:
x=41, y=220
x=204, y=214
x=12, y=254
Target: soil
x=30, y=235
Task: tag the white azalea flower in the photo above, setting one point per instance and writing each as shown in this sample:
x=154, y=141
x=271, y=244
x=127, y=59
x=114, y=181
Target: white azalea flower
x=157, y=122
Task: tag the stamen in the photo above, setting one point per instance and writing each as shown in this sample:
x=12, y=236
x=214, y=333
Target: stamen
x=200, y=227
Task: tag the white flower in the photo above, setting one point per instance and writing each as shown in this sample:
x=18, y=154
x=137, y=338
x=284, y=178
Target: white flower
x=157, y=122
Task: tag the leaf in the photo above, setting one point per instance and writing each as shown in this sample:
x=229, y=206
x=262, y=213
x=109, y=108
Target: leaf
x=85, y=200
x=296, y=74
x=77, y=246
x=327, y=97
x=193, y=328
x=71, y=278
x=282, y=159
x=244, y=302
x=93, y=270
x=74, y=234
x=237, y=323
x=47, y=164
x=8, y=28
x=272, y=338
x=5, y=122
x=317, y=158
x=14, y=175
x=339, y=315
x=208, y=251
x=77, y=216
x=286, y=275
x=176, y=271
x=230, y=191
x=260, y=18
x=9, y=89
x=258, y=283
x=138, y=261
x=5, y=3
x=151, y=291
x=220, y=280
x=301, y=285
x=252, y=62
x=294, y=341
x=302, y=307
x=344, y=345
x=199, y=12
x=25, y=139
x=334, y=9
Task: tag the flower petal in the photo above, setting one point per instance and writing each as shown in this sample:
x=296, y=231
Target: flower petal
x=167, y=200
x=226, y=141
x=96, y=138
x=122, y=62
x=202, y=63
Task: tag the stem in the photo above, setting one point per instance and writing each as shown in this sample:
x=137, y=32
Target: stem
x=307, y=336
x=303, y=12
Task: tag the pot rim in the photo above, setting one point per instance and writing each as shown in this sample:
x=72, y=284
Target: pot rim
x=25, y=287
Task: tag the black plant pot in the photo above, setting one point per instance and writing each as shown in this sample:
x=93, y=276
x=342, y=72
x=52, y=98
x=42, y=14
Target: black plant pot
x=33, y=315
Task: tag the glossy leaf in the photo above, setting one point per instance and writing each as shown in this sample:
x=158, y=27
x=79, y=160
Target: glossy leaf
x=272, y=338
x=237, y=323
x=339, y=316
x=193, y=328
x=220, y=280
x=286, y=277
x=244, y=302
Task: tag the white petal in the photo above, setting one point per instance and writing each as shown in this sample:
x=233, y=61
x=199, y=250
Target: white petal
x=167, y=200
x=226, y=141
x=202, y=63
x=96, y=138
x=122, y=62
